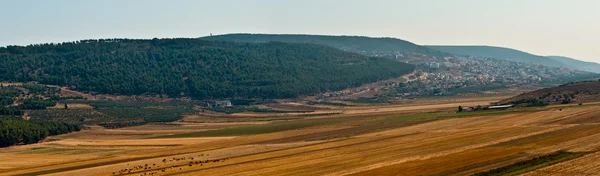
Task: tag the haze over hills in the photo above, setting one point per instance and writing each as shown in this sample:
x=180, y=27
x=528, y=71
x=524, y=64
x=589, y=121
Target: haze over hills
x=358, y=44
x=441, y=72
x=499, y=53
x=194, y=68
x=577, y=64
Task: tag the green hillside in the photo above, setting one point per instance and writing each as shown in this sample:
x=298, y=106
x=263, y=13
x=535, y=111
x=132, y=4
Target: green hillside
x=357, y=44
x=498, y=53
x=577, y=64
x=194, y=68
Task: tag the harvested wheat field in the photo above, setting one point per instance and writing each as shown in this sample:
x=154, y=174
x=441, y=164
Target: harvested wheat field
x=389, y=140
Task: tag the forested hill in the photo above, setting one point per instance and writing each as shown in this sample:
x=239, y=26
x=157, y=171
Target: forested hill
x=357, y=44
x=194, y=68
x=499, y=53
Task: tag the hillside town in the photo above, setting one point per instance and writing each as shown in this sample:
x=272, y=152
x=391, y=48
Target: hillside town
x=452, y=75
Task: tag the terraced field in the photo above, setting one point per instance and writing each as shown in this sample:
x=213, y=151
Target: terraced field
x=411, y=140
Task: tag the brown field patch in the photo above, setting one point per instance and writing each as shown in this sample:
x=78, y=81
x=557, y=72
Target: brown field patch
x=16, y=160
x=412, y=107
x=454, y=164
x=72, y=106
x=360, y=142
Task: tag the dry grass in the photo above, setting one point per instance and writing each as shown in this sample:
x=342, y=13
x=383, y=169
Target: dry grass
x=352, y=145
x=532, y=164
x=586, y=165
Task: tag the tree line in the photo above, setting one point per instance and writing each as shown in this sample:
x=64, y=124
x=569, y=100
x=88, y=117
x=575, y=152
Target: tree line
x=14, y=130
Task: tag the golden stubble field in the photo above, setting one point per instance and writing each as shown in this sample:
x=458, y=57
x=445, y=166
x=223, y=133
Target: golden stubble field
x=357, y=143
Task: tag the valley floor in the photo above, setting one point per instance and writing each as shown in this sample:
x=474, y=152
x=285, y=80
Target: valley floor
x=424, y=138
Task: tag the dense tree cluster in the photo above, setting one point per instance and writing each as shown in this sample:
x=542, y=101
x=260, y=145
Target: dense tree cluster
x=194, y=68
x=39, y=89
x=10, y=110
x=37, y=103
x=14, y=130
x=13, y=99
x=7, y=95
x=116, y=114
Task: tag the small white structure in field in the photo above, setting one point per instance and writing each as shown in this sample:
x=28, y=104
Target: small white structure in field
x=501, y=106
x=223, y=103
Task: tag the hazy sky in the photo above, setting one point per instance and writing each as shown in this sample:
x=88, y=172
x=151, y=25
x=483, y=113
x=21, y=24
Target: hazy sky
x=544, y=27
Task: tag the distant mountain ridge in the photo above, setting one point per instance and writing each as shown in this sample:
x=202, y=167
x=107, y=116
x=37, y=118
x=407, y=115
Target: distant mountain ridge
x=357, y=44
x=412, y=53
x=577, y=64
x=499, y=53
x=409, y=52
x=510, y=54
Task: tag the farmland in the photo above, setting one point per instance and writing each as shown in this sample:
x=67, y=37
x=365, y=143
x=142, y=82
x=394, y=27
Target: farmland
x=423, y=137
